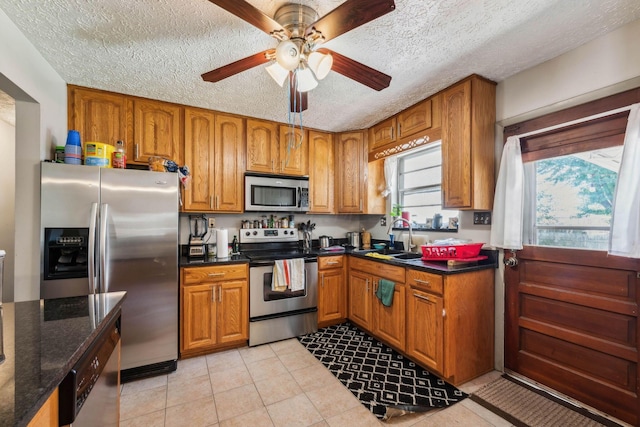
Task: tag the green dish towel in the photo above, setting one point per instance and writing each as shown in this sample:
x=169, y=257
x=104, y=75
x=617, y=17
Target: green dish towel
x=385, y=291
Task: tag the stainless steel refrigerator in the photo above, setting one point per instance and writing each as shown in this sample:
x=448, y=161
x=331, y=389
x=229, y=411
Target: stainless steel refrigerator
x=116, y=230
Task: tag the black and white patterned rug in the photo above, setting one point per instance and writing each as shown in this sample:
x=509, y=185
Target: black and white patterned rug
x=377, y=375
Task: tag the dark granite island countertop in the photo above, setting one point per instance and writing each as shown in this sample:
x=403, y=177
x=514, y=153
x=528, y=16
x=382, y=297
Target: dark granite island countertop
x=41, y=341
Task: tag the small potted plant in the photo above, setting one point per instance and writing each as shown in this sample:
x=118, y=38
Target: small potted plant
x=396, y=211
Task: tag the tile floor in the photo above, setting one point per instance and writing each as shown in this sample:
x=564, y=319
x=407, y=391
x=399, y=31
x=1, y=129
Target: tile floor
x=278, y=384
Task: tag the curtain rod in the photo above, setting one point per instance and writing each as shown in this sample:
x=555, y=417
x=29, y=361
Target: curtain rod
x=573, y=122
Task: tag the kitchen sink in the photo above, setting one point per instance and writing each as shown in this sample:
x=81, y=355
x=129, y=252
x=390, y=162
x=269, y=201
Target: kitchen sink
x=406, y=255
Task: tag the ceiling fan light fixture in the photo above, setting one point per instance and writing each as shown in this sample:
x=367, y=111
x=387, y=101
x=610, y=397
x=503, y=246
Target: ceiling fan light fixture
x=320, y=64
x=305, y=79
x=278, y=73
x=288, y=55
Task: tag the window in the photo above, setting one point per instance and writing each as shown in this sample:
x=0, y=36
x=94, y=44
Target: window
x=419, y=180
x=571, y=174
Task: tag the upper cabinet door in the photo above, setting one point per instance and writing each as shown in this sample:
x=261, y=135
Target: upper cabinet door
x=321, y=172
x=262, y=146
x=229, y=164
x=414, y=119
x=352, y=172
x=98, y=116
x=157, y=130
x=383, y=133
x=294, y=151
x=199, y=152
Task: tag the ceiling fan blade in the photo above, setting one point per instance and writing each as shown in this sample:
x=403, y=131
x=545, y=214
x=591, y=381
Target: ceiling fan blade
x=357, y=71
x=237, y=67
x=297, y=100
x=349, y=15
x=252, y=15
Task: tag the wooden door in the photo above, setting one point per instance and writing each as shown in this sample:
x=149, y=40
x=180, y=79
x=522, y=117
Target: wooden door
x=199, y=153
x=294, y=151
x=331, y=296
x=456, y=146
x=157, y=129
x=321, y=172
x=233, y=314
x=425, y=331
x=228, y=173
x=414, y=119
x=98, y=116
x=198, y=317
x=352, y=172
x=360, y=298
x=389, y=322
x=383, y=133
x=571, y=324
x=262, y=146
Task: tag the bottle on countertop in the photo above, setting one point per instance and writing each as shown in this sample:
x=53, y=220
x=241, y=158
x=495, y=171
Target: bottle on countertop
x=235, y=246
x=119, y=157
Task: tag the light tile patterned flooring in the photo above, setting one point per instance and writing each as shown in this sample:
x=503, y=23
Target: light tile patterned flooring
x=278, y=384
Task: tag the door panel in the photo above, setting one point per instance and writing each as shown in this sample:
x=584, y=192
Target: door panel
x=571, y=323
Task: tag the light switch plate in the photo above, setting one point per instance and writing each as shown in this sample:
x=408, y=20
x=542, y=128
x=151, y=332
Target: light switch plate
x=212, y=222
x=482, y=218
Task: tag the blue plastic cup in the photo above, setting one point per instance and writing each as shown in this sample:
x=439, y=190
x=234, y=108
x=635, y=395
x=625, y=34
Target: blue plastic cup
x=73, y=149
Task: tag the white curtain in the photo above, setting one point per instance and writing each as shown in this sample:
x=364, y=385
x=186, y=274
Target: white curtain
x=508, y=204
x=624, y=238
x=390, y=169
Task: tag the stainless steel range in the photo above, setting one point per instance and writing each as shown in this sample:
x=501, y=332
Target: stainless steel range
x=276, y=314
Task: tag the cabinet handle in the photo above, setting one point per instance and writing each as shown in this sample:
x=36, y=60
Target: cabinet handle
x=444, y=312
x=424, y=282
x=213, y=293
x=391, y=132
x=215, y=274
x=272, y=165
x=421, y=297
x=322, y=281
x=399, y=128
x=136, y=154
x=375, y=286
x=220, y=294
x=217, y=205
x=367, y=285
x=211, y=202
x=360, y=205
x=332, y=262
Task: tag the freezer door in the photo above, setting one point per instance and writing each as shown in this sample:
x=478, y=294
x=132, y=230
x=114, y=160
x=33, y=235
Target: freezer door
x=67, y=194
x=141, y=257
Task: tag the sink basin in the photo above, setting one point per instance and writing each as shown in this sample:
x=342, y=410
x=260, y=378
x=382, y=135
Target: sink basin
x=407, y=255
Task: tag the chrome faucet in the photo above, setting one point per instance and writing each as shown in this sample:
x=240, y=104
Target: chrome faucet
x=411, y=245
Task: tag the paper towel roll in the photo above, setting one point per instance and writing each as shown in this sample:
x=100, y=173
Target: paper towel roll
x=222, y=243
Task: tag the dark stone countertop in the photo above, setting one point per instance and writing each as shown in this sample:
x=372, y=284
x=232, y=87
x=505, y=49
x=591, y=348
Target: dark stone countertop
x=186, y=261
x=42, y=340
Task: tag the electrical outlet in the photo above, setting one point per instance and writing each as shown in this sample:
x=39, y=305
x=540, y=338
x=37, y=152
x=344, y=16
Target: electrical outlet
x=482, y=218
x=383, y=221
x=212, y=222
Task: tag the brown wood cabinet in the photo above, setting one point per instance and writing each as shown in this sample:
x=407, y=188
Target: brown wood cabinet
x=414, y=119
x=450, y=323
x=47, y=415
x=468, y=120
x=384, y=133
x=351, y=174
x=321, y=172
x=366, y=310
x=99, y=116
x=214, y=151
x=262, y=146
x=293, y=151
x=332, y=290
x=157, y=131
x=214, y=308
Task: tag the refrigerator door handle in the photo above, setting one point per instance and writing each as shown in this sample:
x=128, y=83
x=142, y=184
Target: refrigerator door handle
x=104, y=210
x=92, y=248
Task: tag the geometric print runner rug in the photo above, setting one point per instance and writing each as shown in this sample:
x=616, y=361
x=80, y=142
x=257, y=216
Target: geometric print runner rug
x=377, y=375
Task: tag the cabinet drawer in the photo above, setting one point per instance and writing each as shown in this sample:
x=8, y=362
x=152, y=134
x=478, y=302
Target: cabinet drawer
x=425, y=281
x=379, y=269
x=335, y=261
x=214, y=273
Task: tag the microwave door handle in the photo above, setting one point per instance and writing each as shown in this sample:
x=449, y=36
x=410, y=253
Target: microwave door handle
x=104, y=211
x=93, y=219
x=299, y=197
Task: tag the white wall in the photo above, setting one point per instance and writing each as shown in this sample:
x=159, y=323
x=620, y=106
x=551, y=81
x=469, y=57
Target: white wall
x=602, y=67
x=41, y=112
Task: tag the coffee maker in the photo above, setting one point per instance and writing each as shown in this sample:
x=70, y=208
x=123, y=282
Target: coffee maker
x=197, y=229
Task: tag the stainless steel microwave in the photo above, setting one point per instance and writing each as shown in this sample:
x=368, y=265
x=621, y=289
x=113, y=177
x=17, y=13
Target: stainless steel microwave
x=278, y=193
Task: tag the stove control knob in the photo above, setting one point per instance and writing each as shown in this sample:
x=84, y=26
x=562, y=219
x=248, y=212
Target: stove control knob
x=247, y=233
x=255, y=233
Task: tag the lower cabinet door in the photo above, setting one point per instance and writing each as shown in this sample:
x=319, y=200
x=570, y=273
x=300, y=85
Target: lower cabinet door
x=199, y=316
x=233, y=313
x=425, y=329
x=360, y=299
x=389, y=322
x=331, y=298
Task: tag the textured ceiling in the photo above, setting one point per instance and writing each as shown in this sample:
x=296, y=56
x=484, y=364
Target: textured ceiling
x=159, y=48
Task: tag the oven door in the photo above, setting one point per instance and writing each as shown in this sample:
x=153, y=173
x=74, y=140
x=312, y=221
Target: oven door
x=263, y=301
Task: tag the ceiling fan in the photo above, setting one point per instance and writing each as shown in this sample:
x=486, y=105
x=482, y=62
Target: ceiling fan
x=298, y=54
